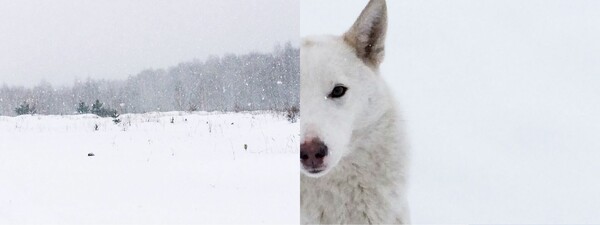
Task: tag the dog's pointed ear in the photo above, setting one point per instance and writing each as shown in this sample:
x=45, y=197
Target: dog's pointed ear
x=367, y=35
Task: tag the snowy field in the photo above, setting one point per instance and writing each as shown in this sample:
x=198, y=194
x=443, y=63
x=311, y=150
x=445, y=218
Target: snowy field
x=502, y=103
x=162, y=168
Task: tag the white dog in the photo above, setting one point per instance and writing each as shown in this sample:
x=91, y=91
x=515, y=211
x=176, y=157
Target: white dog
x=352, y=152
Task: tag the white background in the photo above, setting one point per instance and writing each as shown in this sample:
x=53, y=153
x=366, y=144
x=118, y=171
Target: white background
x=502, y=102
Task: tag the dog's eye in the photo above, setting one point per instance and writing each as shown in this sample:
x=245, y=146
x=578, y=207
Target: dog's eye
x=338, y=91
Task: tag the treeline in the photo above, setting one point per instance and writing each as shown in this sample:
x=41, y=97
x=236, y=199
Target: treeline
x=255, y=81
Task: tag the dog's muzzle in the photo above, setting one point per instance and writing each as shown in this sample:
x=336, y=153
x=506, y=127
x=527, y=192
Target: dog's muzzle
x=312, y=153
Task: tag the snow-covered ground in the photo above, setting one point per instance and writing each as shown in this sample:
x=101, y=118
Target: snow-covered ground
x=502, y=103
x=202, y=168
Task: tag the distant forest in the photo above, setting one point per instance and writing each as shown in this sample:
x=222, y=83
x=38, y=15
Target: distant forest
x=249, y=82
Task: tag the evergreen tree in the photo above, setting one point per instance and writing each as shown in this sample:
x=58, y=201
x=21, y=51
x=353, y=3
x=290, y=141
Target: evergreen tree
x=82, y=108
x=97, y=108
x=24, y=108
x=115, y=116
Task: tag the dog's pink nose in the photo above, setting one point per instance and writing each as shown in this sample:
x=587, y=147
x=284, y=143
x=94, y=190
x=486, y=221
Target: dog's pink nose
x=312, y=153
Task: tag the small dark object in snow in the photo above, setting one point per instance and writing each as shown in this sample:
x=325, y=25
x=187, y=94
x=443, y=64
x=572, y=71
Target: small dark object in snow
x=96, y=127
x=245, y=146
x=293, y=114
x=172, y=120
x=231, y=123
x=91, y=154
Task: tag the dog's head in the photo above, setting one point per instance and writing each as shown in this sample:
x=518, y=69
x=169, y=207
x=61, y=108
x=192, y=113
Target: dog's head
x=340, y=88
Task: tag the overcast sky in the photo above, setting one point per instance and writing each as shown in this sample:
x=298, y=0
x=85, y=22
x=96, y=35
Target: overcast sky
x=62, y=40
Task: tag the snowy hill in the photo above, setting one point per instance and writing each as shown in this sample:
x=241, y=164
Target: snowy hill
x=170, y=167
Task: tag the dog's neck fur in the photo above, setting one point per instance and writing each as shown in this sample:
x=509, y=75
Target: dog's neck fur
x=358, y=191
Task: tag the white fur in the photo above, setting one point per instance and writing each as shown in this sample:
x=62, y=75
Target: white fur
x=365, y=171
